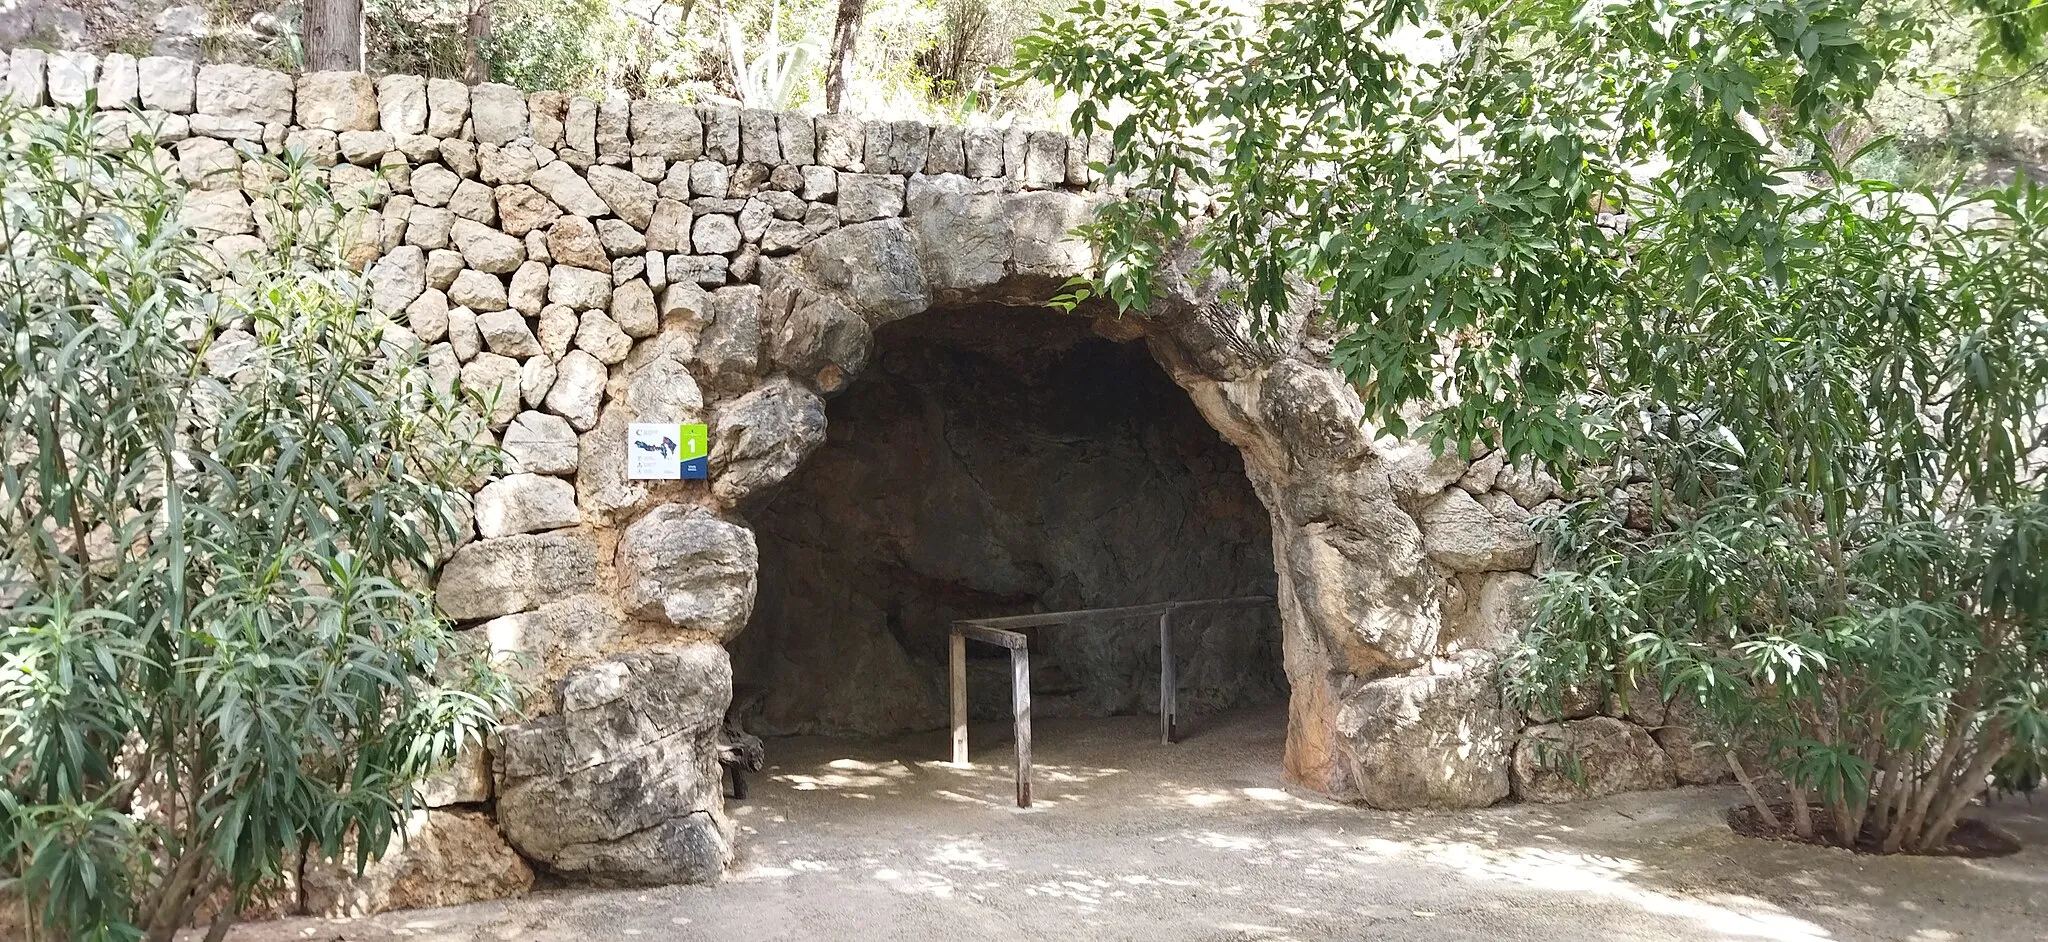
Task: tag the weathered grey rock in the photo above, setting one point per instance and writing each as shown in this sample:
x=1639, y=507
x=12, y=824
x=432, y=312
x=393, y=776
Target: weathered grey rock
x=337, y=101
x=497, y=113
x=869, y=196
x=447, y=107
x=208, y=164
x=1312, y=409
x=539, y=443
x=840, y=140
x=579, y=130
x=316, y=148
x=525, y=503
x=668, y=228
x=536, y=380
x=166, y=83
x=1588, y=758
x=984, y=152
x=479, y=292
x=622, y=784
x=569, y=190
x=598, y=336
x=715, y=234
x=70, y=76
x=1528, y=485
x=754, y=218
x=557, y=330
x=578, y=389
x=538, y=647
x=118, y=82
x=630, y=197
x=434, y=185
x=396, y=279
x=798, y=138
x=218, y=213
x=1042, y=232
x=475, y=202
x=245, y=93
x=486, y=249
x=465, y=781
x=463, y=336
x=721, y=133
x=494, y=379
x=729, y=350
x=529, y=288
x=947, y=152
x=666, y=130
x=442, y=264
x=432, y=229
x=506, y=334
x=817, y=338
x=1494, y=608
x=1045, y=163
x=706, y=270
x=684, y=566
x=402, y=104
x=489, y=578
x=1465, y=536
x=28, y=77
x=614, y=143
x=763, y=436
x=1428, y=741
x=437, y=857
x=545, y=113
x=620, y=239
x=963, y=231
x=427, y=316
x=873, y=266
x=510, y=163
x=579, y=288
x=760, y=138
x=460, y=156
x=633, y=309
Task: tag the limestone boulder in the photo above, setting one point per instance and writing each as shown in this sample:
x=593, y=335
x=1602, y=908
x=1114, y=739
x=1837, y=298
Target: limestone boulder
x=578, y=391
x=1588, y=758
x=628, y=196
x=402, y=104
x=1491, y=610
x=729, y=351
x=580, y=289
x=622, y=785
x=489, y=578
x=763, y=436
x=486, y=249
x=817, y=338
x=687, y=568
x=963, y=234
x=1429, y=741
x=337, y=101
x=497, y=112
x=240, y=92
x=397, y=279
x=873, y=267
x=437, y=857
x=525, y=503
x=1316, y=416
x=538, y=647
x=1463, y=535
x=569, y=190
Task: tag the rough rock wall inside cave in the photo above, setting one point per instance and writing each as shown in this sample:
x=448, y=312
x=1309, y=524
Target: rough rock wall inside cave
x=591, y=263
x=997, y=461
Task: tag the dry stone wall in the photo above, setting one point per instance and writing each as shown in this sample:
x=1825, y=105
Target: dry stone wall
x=585, y=263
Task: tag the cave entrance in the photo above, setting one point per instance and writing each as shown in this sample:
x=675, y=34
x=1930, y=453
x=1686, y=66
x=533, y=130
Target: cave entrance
x=998, y=461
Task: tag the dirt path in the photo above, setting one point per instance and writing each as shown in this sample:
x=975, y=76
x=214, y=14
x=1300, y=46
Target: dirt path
x=1132, y=840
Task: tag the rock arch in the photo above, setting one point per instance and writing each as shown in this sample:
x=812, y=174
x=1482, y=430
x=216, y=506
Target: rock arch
x=1396, y=586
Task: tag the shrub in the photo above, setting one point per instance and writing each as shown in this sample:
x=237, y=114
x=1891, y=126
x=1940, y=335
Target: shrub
x=218, y=502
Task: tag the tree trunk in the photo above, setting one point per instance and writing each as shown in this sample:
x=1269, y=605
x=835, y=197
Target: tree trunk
x=334, y=35
x=845, y=35
x=476, y=31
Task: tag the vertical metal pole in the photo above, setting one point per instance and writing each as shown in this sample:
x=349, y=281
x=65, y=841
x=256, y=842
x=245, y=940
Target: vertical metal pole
x=1020, y=710
x=957, y=681
x=1168, y=683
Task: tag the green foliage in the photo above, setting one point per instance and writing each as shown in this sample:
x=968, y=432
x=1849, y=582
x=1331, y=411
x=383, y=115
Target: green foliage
x=217, y=649
x=1572, y=231
x=534, y=44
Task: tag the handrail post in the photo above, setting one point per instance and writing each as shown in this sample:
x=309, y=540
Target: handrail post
x=956, y=674
x=1020, y=710
x=1168, y=683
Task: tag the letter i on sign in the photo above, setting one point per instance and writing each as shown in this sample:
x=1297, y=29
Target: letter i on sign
x=696, y=453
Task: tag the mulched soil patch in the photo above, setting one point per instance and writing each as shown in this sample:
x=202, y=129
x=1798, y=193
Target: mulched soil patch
x=1971, y=838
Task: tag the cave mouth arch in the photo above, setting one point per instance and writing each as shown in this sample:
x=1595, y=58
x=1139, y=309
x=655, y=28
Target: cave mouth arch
x=994, y=460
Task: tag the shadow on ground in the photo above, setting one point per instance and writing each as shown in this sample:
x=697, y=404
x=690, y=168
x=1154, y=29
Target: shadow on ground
x=1129, y=839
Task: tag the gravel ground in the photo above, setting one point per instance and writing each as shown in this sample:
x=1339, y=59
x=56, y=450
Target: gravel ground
x=1200, y=841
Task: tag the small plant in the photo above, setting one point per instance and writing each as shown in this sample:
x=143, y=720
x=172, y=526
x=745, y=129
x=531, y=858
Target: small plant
x=774, y=77
x=218, y=506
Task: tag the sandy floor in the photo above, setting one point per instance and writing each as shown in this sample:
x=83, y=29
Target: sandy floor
x=1133, y=840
